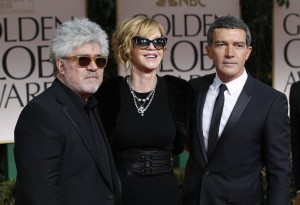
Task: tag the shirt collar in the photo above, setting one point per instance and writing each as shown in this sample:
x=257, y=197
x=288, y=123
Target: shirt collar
x=76, y=99
x=233, y=86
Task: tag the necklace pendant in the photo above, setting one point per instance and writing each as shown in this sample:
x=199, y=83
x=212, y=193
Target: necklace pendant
x=141, y=110
x=142, y=104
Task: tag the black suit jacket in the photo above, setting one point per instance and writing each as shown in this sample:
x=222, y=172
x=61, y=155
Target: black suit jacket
x=56, y=163
x=255, y=135
x=295, y=130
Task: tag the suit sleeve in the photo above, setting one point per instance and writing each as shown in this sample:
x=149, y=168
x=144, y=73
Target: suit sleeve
x=38, y=149
x=295, y=131
x=277, y=152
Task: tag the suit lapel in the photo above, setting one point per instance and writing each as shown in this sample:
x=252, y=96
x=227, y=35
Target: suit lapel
x=199, y=113
x=202, y=89
x=110, y=155
x=88, y=143
x=237, y=111
x=73, y=117
x=71, y=111
x=114, y=178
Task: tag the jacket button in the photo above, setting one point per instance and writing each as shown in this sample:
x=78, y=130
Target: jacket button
x=207, y=173
x=110, y=196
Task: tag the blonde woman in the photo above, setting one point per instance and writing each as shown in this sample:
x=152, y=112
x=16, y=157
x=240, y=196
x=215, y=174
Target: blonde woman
x=145, y=116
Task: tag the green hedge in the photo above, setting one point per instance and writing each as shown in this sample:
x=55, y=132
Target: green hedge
x=6, y=190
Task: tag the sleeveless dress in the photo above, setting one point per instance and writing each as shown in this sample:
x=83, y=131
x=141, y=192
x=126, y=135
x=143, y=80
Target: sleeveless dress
x=155, y=130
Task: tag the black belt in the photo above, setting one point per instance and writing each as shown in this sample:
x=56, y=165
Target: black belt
x=144, y=163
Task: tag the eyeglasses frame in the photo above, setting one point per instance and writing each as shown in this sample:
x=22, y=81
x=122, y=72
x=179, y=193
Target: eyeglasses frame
x=151, y=41
x=93, y=58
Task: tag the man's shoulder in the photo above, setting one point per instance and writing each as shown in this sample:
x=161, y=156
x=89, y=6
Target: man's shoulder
x=266, y=88
x=294, y=91
x=202, y=81
x=296, y=85
x=44, y=96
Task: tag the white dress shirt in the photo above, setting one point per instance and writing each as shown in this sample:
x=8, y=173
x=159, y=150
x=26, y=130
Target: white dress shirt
x=231, y=95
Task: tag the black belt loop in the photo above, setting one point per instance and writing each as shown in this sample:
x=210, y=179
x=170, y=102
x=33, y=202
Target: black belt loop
x=144, y=163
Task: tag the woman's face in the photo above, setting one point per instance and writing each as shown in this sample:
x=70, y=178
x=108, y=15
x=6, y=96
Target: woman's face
x=148, y=59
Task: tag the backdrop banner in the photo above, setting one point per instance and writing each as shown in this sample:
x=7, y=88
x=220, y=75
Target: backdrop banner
x=25, y=71
x=286, y=57
x=186, y=23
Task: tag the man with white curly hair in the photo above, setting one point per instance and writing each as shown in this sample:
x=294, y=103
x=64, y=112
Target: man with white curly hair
x=61, y=151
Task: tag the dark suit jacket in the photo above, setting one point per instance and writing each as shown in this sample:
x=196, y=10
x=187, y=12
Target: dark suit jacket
x=295, y=130
x=56, y=163
x=255, y=135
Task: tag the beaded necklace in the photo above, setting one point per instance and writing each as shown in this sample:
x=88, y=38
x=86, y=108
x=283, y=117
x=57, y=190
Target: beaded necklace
x=141, y=104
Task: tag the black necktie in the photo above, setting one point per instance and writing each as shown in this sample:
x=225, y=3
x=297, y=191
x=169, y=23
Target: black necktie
x=215, y=120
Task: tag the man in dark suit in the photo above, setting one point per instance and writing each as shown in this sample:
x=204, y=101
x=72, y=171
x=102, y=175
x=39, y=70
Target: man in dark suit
x=61, y=151
x=252, y=132
x=295, y=134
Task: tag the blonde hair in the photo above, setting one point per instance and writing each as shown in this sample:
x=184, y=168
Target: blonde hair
x=122, y=44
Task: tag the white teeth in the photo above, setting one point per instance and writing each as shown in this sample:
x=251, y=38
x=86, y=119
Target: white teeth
x=150, y=56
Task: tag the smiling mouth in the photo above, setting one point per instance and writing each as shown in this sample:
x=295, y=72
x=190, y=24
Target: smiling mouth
x=150, y=56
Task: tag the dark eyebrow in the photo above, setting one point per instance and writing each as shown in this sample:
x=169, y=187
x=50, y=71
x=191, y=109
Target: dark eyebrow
x=240, y=42
x=219, y=42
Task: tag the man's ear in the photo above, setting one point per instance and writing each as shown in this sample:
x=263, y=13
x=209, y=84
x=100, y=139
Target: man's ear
x=249, y=49
x=208, y=51
x=60, y=66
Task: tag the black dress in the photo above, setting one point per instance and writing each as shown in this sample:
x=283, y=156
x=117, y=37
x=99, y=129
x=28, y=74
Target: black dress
x=155, y=130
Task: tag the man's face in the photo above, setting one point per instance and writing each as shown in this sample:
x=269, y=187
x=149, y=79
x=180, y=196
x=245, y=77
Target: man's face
x=84, y=81
x=229, y=53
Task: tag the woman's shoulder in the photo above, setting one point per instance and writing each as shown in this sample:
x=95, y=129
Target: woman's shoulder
x=176, y=82
x=178, y=87
x=174, y=79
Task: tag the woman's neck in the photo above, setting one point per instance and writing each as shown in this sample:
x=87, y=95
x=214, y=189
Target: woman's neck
x=142, y=83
